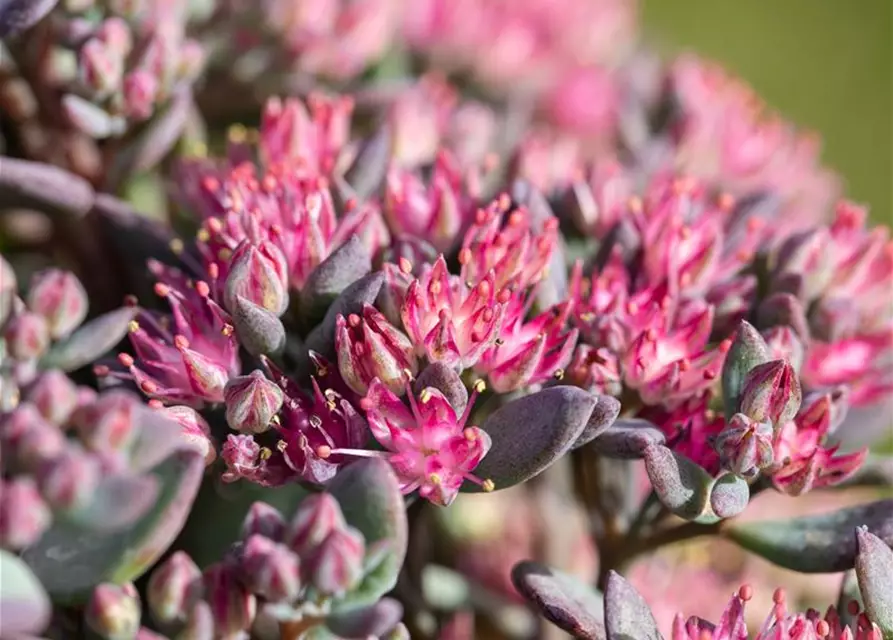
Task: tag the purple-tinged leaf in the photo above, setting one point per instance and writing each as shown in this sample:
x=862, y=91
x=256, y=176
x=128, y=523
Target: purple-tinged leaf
x=24, y=604
x=603, y=416
x=729, y=496
x=447, y=381
x=18, y=15
x=92, y=119
x=70, y=560
x=259, y=330
x=118, y=502
x=344, y=266
x=42, y=187
x=91, y=341
x=748, y=350
x=682, y=486
x=373, y=621
x=529, y=434
x=874, y=570
x=562, y=599
x=370, y=498
x=627, y=615
x=815, y=544
x=628, y=438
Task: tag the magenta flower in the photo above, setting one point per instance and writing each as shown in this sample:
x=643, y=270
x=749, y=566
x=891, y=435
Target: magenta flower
x=185, y=358
x=371, y=347
x=449, y=321
x=529, y=353
x=803, y=461
x=430, y=448
x=507, y=245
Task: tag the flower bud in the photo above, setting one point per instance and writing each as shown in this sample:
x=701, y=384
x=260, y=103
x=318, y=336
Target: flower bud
x=23, y=515
x=68, y=481
x=232, y=606
x=115, y=33
x=370, y=347
x=771, y=393
x=251, y=402
x=240, y=453
x=316, y=517
x=745, y=446
x=27, y=336
x=109, y=423
x=174, y=589
x=194, y=430
x=60, y=298
x=270, y=570
x=199, y=625
x=784, y=344
x=114, y=611
x=8, y=288
x=264, y=520
x=35, y=440
x=140, y=89
x=803, y=264
x=100, y=67
x=54, y=395
x=747, y=351
x=336, y=565
x=259, y=274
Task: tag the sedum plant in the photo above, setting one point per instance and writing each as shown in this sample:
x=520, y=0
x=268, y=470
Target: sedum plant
x=438, y=355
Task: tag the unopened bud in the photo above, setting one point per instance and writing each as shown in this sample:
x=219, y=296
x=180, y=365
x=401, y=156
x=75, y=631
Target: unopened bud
x=174, y=589
x=69, y=480
x=60, y=298
x=30, y=439
x=240, y=453
x=270, y=570
x=771, y=393
x=259, y=274
x=232, y=606
x=744, y=446
x=54, y=395
x=336, y=566
x=317, y=516
x=114, y=611
x=27, y=336
x=251, y=402
x=194, y=430
x=199, y=625
x=264, y=520
x=109, y=423
x=140, y=88
x=100, y=67
x=23, y=515
x=785, y=345
x=747, y=351
x=115, y=33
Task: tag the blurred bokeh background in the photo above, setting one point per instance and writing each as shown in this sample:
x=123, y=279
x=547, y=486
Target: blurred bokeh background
x=826, y=65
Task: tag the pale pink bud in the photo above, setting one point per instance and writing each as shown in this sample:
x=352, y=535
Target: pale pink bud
x=109, y=423
x=140, y=89
x=115, y=33
x=262, y=519
x=232, y=606
x=195, y=430
x=745, y=446
x=31, y=439
x=174, y=589
x=69, y=480
x=258, y=273
x=240, y=453
x=270, y=570
x=54, y=395
x=316, y=517
x=114, y=611
x=23, y=515
x=100, y=67
x=336, y=566
x=27, y=336
x=251, y=402
x=60, y=298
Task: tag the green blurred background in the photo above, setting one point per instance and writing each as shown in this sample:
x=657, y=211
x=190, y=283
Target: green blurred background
x=827, y=65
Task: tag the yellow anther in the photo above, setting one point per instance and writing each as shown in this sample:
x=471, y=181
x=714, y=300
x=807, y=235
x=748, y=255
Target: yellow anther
x=425, y=395
x=480, y=386
x=133, y=326
x=176, y=245
x=488, y=485
x=265, y=453
x=434, y=479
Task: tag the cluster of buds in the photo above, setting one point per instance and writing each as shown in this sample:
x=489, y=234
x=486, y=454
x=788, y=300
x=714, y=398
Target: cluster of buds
x=113, y=66
x=56, y=305
x=96, y=478
x=296, y=572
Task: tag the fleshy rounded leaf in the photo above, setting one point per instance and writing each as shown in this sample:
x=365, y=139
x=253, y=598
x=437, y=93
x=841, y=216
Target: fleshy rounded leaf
x=368, y=170
x=748, y=350
x=682, y=486
x=347, y=264
x=603, y=416
x=447, y=381
x=815, y=544
x=628, y=439
x=118, y=502
x=562, y=599
x=529, y=434
x=627, y=615
x=874, y=570
x=91, y=341
x=33, y=185
x=373, y=621
x=370, y=499
x=24, y=604
x=351, y=300
x=729, y=496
